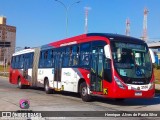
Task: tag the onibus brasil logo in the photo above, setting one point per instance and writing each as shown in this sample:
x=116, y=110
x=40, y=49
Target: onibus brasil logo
x=24, y=104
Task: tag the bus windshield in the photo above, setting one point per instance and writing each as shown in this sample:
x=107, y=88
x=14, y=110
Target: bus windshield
x=132, y=62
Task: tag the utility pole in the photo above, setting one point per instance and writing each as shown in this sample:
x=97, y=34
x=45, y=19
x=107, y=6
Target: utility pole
x=66, y=10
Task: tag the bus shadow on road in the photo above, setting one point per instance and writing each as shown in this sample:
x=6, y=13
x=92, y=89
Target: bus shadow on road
x=33, y=88
x=130, y=102
x=69, y=94
x=125, y=102
x=63, y=93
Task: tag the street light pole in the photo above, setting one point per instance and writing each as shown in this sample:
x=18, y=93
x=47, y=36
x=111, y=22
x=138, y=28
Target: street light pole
x=66, y=10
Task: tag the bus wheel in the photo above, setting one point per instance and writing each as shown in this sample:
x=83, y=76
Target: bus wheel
x=46, y=87
x=84, y=92
x=20, y=84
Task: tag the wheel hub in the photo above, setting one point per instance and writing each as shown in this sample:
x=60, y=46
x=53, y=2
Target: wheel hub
x=84, y=91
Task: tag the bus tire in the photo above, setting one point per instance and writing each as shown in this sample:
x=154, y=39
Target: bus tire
x=84, y=92
x=20, y=86
x=46, y=88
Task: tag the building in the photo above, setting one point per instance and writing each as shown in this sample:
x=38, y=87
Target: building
x=7, y=35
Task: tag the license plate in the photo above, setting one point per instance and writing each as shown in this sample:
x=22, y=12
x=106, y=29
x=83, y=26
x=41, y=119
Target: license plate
x=144, y=87
x=138, y=93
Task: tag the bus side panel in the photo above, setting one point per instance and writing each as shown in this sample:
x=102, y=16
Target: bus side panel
x=108, y=88
x=15, y=74
x=19, y=74
x=12, y=77
x=24, y=81
x=45, y=73
x=70, y=78
x=86, y=75
x=29, y=79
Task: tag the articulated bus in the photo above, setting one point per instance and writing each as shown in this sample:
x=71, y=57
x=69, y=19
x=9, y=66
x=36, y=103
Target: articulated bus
x=94, y=64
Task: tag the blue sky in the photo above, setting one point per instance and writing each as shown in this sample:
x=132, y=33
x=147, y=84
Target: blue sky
x=40, y=22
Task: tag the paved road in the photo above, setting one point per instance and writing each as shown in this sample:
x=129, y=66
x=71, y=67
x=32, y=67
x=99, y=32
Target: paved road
x=39, y=101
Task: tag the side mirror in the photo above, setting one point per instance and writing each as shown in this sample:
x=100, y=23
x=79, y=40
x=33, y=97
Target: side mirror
x=107, y=51
x=152, y=56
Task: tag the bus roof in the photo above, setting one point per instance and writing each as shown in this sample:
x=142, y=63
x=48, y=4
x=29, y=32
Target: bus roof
x=117, y=37
x=83, y=37
x=24, y=51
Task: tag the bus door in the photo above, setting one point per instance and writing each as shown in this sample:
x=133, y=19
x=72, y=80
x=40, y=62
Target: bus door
x=57, y=70
x=97, y=69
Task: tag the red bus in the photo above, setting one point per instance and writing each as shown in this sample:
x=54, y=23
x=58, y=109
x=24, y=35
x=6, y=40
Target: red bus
x=93, y=64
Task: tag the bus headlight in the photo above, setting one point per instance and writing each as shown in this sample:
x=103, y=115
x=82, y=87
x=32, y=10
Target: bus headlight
x=151, y=85
x=119, y=83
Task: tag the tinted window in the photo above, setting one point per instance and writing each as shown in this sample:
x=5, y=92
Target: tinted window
x=70, y=56
x=46, y=58
x=107, y=70
x=85, y=54
x=98, y=43
x=41, y=60
x=13, y=62
x=17, y=62
x=50, y=59
x=31, y=60
x=21, y=61
x=75, y=55
x=66, y=57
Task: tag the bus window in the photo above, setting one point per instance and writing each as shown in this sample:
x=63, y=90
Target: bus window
x=50, y=58
x=70, y=56
x=41, y=61
x=75, y=55
x=45, y=59
x=45, y=55
x=26, y=61
x=21, y=61
x=13, y=62
x=31, y=60
x=85, y=54
x=66, y=57
x=17, y=62
x=107, y=69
